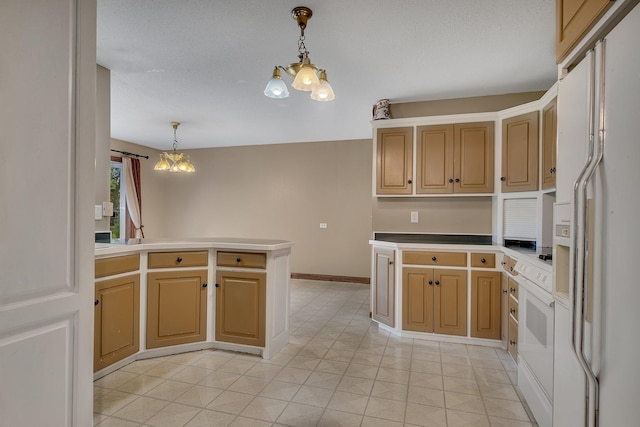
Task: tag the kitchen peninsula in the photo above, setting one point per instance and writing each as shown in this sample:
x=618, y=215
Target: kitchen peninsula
x=153, y=298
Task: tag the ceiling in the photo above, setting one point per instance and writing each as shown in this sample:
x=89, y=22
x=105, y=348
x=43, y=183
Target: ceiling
x=205, y=63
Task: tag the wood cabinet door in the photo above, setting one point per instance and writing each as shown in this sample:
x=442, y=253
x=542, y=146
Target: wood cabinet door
x=450, y=302
x=549, y=139
x=434, y=159
x=485, y=304
x=394, y=161
x=241, y=307
x=176, y=307
x=116, y=320
x=417, y=299
x=520, y=153
x=504, y=309
x=383, y=287
x=512, y=345
x=573, y=19
x=474, y=157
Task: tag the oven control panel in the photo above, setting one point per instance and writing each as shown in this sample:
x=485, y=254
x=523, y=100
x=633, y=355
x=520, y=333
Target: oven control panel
x=535, y=274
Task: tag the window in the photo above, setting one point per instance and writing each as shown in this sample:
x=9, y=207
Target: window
x=117, y=222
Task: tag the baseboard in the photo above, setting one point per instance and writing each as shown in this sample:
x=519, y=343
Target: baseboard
x=329, y=278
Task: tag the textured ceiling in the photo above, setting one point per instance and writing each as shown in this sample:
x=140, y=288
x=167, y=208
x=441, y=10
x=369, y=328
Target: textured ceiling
x=205, y=63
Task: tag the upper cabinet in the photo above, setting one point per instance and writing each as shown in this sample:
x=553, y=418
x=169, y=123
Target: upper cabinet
x=549, y=140
x=520, y=153
x=455, y=158
x=573, y=19
x=394, y=161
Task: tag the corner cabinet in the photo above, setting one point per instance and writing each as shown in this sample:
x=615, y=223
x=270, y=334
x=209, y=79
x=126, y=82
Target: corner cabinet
x=394, y=161
x=383, y=287
x=520, y=153
x=573, y=19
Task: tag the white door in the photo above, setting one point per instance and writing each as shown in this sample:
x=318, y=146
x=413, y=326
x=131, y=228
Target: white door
x=47, y=116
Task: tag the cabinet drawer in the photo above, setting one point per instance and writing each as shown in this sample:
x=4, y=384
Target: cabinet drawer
x=242, y=259
x=178, y=259
x=513, y=308
x=116, y=265
x=512, y=344
x=483, y=260
x=453, y=259
x=509, y=265
x=513, y=288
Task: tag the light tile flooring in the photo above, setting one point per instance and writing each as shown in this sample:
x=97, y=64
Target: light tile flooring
x=338, y=370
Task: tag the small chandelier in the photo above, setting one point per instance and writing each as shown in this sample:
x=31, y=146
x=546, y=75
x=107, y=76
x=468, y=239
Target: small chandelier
x=174, y=161
x=305, y=74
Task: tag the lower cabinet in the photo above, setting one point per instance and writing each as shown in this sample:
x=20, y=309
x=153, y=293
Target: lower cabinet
x=241, y=307
x=383, y=288
x=485, y=304
x=176, y=307
x=434, y=300
x=117, y=320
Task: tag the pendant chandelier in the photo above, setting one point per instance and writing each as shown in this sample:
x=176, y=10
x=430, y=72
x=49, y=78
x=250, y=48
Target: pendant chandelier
x=307, y=77
x=174, y=161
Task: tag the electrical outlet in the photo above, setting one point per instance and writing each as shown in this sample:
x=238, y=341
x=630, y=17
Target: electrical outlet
x=323, y=225
x=414, y=217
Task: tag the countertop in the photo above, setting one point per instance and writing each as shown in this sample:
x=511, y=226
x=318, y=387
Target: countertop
x=134, y=245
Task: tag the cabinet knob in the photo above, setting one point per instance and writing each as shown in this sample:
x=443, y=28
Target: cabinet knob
x=238, y=259
x=204, y=285
x=504, y=291
x=512, y=310
x=437, y=283
x=450, y=180
x=409, y=181
x=552, y=170
x=390, y=262
x=431, y=282
x=510, y=268
x=217, y=285
x=457, y=179
x=483, y=260
x=179, y=259
x=512, y=290
x=503, y=179
x=502, y=263
x=512, y=342
x=96, y=302
x=434, y=258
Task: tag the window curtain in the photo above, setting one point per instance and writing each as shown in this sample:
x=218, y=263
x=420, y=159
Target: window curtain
x=131, y=172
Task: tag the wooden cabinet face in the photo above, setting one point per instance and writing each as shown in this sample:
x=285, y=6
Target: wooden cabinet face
x=383, y=287
x=434, y=153
x=512, y=344
x=434, y=300
x=485, y=304
x=549, y=141
x=450, y=302
x=520, y=153
x=241, y=307
x=474, y=158
x=116, y=320
x=176, y=307
x=573, y=19
x=394, y=161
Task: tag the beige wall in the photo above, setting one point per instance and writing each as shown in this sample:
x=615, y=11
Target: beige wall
x=103, y=138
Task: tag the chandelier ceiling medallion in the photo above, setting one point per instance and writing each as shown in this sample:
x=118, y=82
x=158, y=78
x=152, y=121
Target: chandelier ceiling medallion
x=307, y=77
x=174, y=161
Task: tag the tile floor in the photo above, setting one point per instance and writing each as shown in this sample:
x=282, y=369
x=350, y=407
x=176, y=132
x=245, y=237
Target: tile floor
x=338, y=370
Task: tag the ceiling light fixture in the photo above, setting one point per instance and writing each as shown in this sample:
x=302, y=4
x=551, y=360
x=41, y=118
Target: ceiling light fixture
x=174, y=161
x=305, y=74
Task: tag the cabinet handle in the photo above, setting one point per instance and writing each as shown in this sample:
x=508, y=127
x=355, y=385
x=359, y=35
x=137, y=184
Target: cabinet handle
x=238, y=259
x=503, y=179
x=179, y=259
x=512, y=310
x=204, y=285
x=217, y=285
x=510, y=268
x=457, y=179
x=409, y=181
x=437, y=283
x=96, y=302
x=483, y=260
x=512, y=290
x=431, y=282
x=434, y=258
x=450, y=180
x=552, y=170
x=512, y=342
x=390, y=262
x=504, y=291
x=502, y=263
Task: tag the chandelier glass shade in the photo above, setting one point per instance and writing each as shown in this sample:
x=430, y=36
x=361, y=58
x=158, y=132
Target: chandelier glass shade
x=174, y=161
x=305, y=74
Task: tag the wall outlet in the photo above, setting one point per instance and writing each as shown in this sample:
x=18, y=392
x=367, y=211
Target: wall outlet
x=323, y=225
x=97, y=212
x=414, y=217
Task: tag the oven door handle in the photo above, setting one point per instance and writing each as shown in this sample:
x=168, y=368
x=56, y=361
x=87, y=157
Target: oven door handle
x=534, y=290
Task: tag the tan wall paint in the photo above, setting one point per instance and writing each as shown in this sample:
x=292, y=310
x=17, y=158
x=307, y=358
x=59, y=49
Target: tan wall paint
x=103, y=138
x=461, y=215
x=284, y=192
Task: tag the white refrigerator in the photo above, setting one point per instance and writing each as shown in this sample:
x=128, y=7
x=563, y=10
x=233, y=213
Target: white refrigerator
x=603, y=264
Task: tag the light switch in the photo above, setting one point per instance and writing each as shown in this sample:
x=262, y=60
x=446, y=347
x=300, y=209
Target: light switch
x=107, y=209
x=97, y=212
x=414, y=217
x=323, y=225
